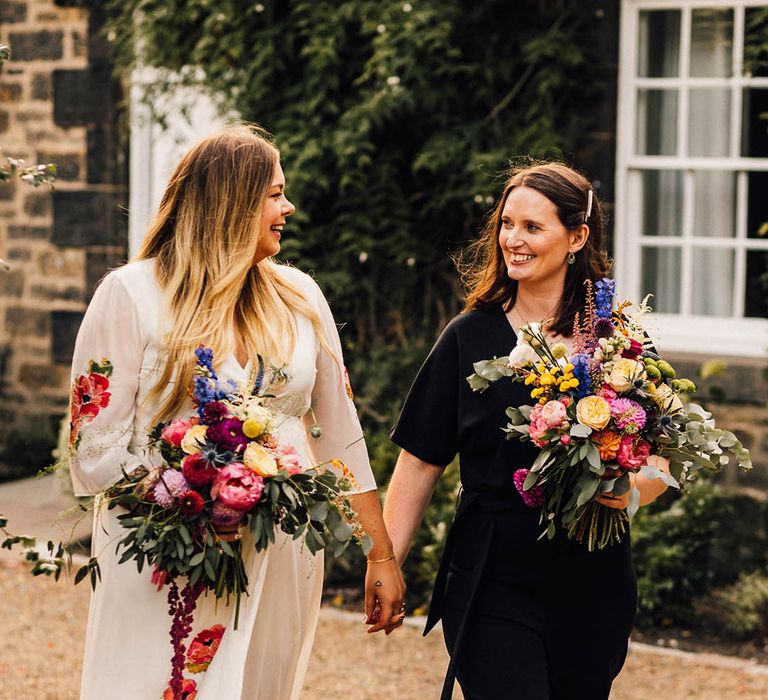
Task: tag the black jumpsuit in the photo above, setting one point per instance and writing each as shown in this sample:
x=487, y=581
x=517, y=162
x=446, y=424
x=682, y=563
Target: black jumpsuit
x=523, y=618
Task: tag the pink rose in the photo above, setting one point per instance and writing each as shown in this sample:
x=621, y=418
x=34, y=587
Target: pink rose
x=607, y=393
x=174, y=432
x=633, y=454
x=538, y=427
x=288, y=459
x=553, y=414
x=237, y=486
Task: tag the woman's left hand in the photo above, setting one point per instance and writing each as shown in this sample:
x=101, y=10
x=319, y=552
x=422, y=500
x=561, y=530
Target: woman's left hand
x=650, y=489
x=384, y=596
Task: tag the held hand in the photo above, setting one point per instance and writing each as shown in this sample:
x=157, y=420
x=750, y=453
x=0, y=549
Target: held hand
x=384, y=596
x=618, y=502
x=650, y=489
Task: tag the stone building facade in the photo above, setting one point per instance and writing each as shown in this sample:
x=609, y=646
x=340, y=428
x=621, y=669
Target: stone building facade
x=58, y=103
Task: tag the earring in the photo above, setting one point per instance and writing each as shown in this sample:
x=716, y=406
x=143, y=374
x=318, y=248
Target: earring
x=571, y=258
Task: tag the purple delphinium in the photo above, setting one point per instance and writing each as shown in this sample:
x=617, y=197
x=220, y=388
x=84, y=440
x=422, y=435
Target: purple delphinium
x=205, y=360
x=228, y=434
x=534, y=496
x=605, y=289
x=580, y=364
x=204, y=389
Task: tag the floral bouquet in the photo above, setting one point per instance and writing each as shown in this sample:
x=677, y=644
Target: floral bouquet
x=222, y=470
x=599, y=414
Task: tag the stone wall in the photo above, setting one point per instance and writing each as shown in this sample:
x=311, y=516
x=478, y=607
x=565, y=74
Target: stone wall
x=57, y=104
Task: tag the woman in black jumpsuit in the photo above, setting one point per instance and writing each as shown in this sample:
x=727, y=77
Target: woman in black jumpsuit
x=524, y=618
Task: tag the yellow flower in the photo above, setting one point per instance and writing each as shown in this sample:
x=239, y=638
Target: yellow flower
x=530, y=379
x=194, y=439
x=624, y=373
x=594, y=412
x=259, y=460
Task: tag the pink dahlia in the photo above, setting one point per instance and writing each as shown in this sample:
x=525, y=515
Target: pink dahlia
x=169, y=486
x=628, y=415
x=534, y=496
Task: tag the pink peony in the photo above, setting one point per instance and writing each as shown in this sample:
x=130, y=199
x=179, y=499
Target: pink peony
x=633, y=453
x=224, y=516
x=237, y=486
x=628, y=415
x=534, y=496
x=553, y=414
x=288, y=459
x=169, y=486
x=174, y=432
x=607, y=393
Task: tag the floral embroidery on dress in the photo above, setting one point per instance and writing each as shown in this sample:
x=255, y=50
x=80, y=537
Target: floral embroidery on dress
x=347, y=385
x=203, y=649
x=188, y=691
x=89, y=396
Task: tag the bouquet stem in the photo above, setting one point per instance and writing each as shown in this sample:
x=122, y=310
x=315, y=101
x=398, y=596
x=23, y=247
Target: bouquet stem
x=598, y=526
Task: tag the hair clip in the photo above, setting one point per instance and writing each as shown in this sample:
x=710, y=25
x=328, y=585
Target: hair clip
x=589, y=206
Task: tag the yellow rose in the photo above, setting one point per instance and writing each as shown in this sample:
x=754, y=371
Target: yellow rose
x=194, y=439
x=624, y=373
x=594, y=412
x=259, y=460
x=667, y=400
x=258, y=420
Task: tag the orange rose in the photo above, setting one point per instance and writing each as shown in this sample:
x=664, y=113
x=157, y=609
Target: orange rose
x=607, y=443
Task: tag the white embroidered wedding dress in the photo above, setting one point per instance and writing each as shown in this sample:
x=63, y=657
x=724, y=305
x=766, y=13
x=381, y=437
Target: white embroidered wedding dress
x=128, y=651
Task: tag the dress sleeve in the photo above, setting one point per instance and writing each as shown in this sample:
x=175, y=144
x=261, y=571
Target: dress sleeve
x=429, y=420
x=105, y=379
x=333, y=410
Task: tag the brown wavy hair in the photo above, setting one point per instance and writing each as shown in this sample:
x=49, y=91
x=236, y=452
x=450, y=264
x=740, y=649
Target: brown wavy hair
x=482, y=269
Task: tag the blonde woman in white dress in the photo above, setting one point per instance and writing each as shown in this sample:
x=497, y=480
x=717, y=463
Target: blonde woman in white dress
x=206, y=274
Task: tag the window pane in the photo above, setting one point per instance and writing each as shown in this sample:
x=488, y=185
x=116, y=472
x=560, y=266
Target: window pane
x=756, y=294
x=661, y=277
x=712, y=282
x=662, y=198
x=757, y=205
x=754, y=129
x=715, y=203
x=657, y=122
x=659, y=44
x=756, y=41
x=709, y=122
x=712, y=43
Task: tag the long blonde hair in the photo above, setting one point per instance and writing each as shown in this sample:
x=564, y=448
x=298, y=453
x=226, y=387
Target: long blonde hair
x=204, y=240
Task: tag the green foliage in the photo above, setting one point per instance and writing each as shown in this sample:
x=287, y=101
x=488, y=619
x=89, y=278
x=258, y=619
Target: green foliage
x=742, y=608
x=26, y=448
x=703, y=541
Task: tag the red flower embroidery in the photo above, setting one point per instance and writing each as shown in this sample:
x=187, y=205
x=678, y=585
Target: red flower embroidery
x=203, y=648
x=89, y=396
x=347, y=385
x=188, y=691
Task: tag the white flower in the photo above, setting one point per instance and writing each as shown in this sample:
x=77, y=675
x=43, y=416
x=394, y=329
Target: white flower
x=522, y=355
x=381, y=28
x=410, y=262
x=407, y=7
x=478, y=199
x=259, y=7
x=363, y=257
x=393, y=80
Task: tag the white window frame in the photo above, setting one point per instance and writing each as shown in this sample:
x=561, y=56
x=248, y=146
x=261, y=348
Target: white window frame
x=685, y=332
x=154, y=150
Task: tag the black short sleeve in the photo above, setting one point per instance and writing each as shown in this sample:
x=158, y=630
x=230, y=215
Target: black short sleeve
x=428, y=423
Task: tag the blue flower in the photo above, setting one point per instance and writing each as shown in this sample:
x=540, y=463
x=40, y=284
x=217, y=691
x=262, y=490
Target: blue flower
x=580, y=364
x=205, y=360
x=204, y=389
x=606, y=288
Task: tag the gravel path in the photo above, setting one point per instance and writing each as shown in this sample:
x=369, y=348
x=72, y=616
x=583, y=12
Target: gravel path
x=44, y=624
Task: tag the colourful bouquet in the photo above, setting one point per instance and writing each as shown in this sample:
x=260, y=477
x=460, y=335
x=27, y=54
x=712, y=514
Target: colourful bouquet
x=598, y=415
x=223, y=469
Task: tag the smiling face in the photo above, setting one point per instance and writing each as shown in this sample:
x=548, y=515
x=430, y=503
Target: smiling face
x=274, y=212
x=534, y=242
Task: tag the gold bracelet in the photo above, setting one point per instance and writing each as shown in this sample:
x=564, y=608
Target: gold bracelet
x=380, y=561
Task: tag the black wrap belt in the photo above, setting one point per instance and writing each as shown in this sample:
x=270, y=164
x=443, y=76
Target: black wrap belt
x=488, y=503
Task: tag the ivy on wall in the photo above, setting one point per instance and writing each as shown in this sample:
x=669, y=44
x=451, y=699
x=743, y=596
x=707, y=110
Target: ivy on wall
x=395, y=121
